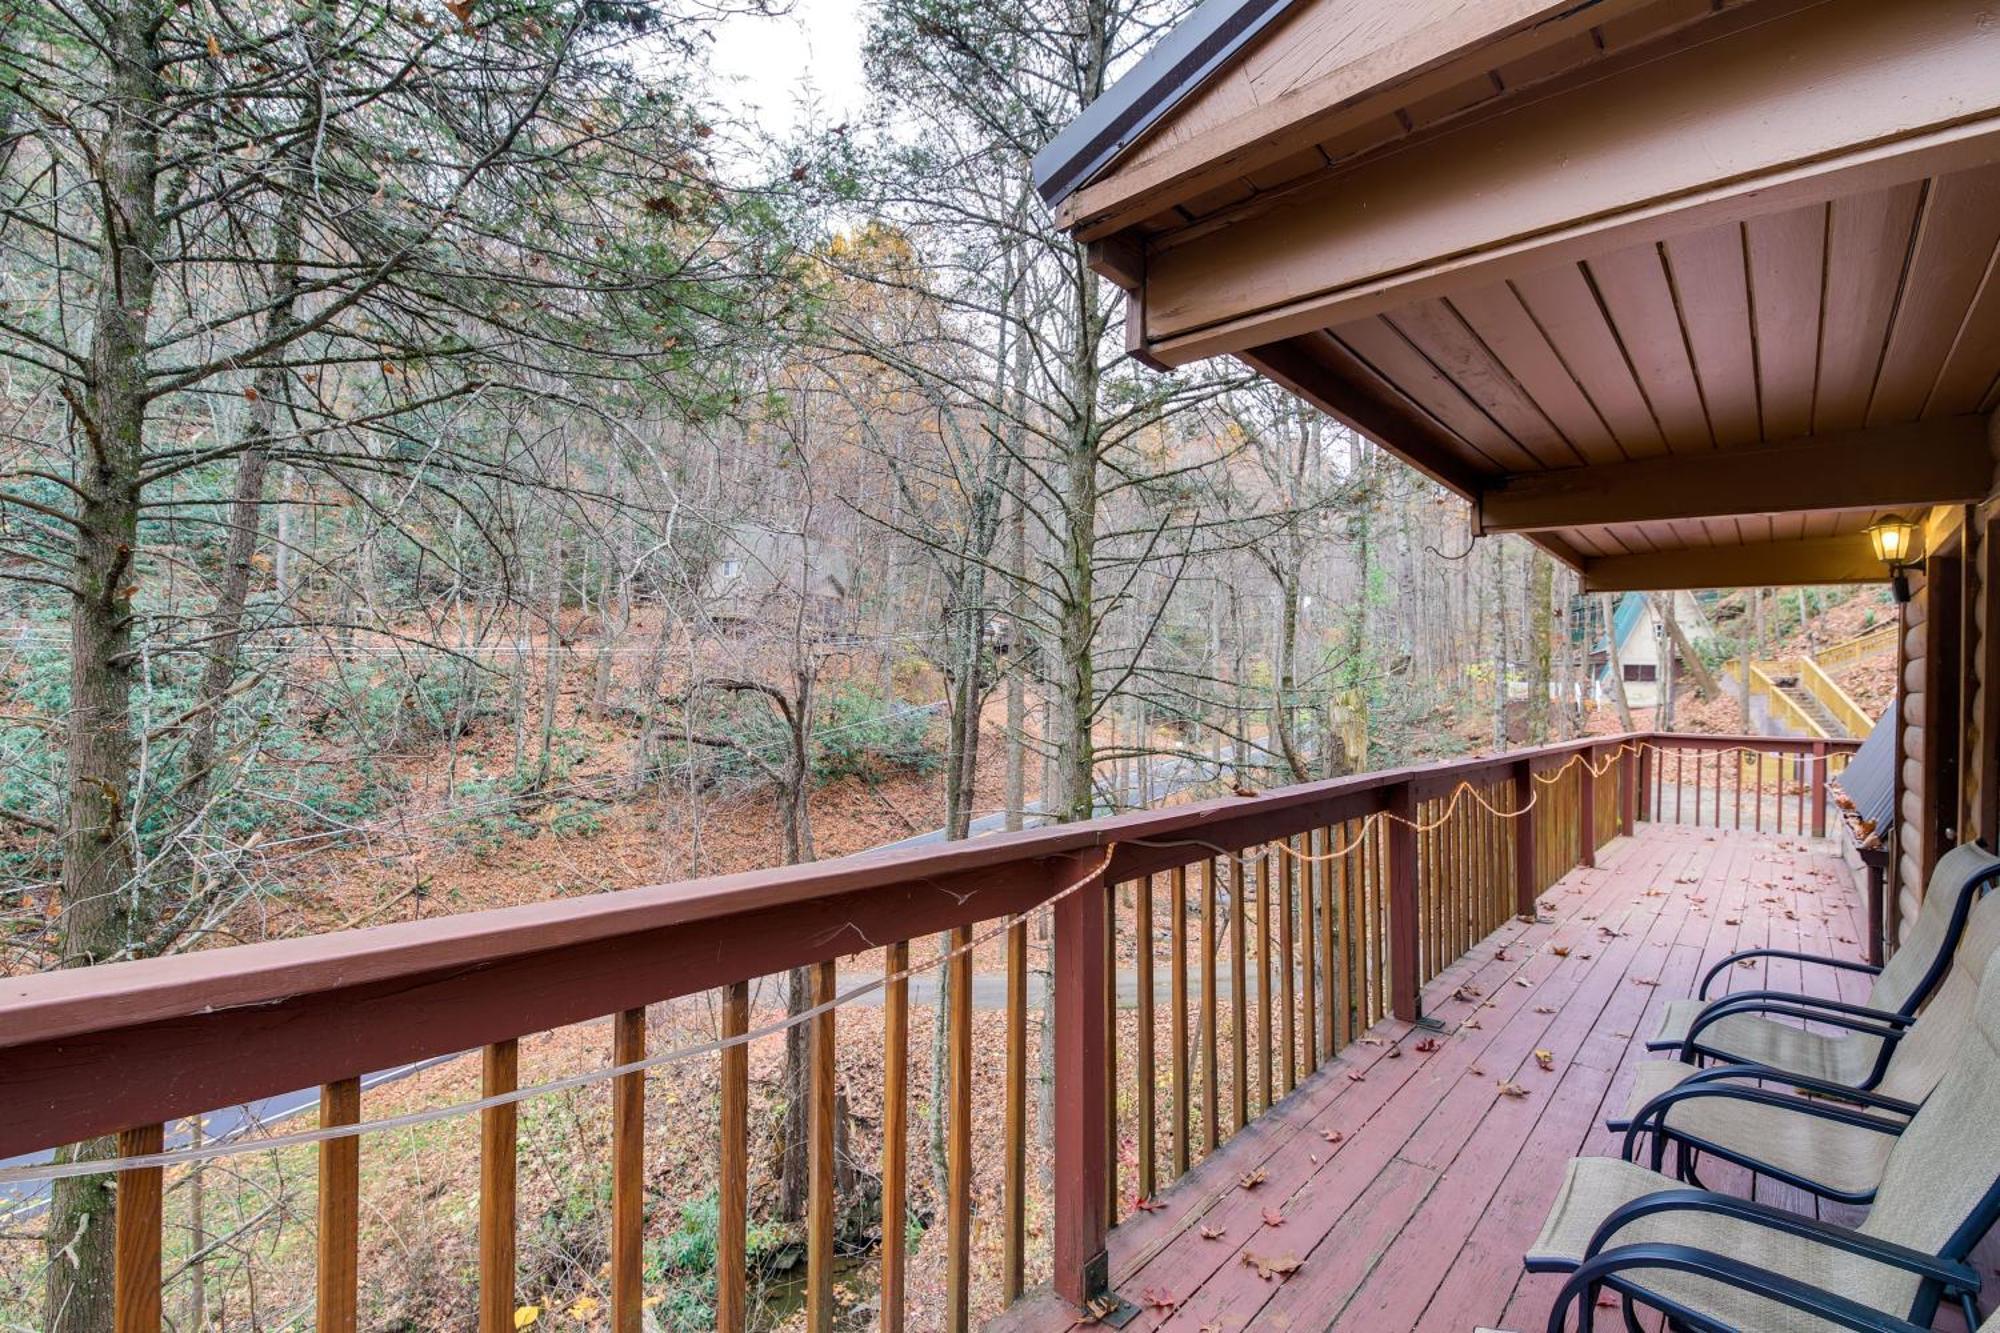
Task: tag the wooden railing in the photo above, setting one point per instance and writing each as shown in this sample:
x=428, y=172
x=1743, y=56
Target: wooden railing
x=1851, y=715
x=1881, y=639
x=1775, y=783
x=1339, y=898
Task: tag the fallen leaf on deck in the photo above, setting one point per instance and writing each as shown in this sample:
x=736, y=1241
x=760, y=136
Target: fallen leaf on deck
x=1155, y=1299
x=1146, y=1205
x=1546, y=1059
x=1559, y=950
x=1471, y=1023
x=1274, y=1269
x=1373, y=1041
x=1509, y=1088
x=1356, y=1076
x=1427, y=1045
x=1545, y=1008
x=1523, y=981
x=1645, y=981
x=1213, y=1233
x=1273, y=1218
x=1467, y=992
x=1393, y=1053
x=1332, y=1135
x=1251, y=1180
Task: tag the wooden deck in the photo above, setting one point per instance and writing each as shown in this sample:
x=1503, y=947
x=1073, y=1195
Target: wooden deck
x=1406, y=1181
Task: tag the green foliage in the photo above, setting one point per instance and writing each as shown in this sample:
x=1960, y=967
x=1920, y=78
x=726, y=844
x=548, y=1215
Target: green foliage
x=859, y=734
x=270, y=769
x=683, y=1262
x=856, y=734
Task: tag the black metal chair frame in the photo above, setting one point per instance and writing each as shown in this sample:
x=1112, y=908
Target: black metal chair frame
x=1605, y=1265
x=1889, y=1025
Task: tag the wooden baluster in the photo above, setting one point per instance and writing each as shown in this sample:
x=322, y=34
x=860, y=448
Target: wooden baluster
x=1080, y=1268
x=1211, y=1113
x=1699, y=759
x=1264, y=894
x=1306, y=873
x=1329, y=966
x=1110, y=1001
x=628, y=1172
x=1737, y=785
x=1349, y=885
x=1177, y=1023
x=1405, y=985
x=1680, y=782
x=135, y=1283
x=1586, y=805
x=499, y=1155
x=1719, y=757
x=958, y=1136
x=1239, y=979
x=896, y=1136
x=1013, y=1255
x=337, y=1308
x=1288, y=997
x=1757, y=821
x=821, y=1107
x=1144, y=1074
x=732, y=1276
x=1818, y=783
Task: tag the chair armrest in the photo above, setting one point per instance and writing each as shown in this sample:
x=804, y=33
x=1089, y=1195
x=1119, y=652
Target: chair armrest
x=1886, y=1017
x=1845, y=964
x=1721, y=1009
x=1777, y=1287
x=1804, y=1082
x=1652, y=1117
x=1959, y=1276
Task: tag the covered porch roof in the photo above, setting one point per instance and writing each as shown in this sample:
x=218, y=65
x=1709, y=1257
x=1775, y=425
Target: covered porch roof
x=1687, y=292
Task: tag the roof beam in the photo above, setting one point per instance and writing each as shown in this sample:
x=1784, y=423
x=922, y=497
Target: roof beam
x=1816, y=560
x=1945, y=461
x=1747, y=114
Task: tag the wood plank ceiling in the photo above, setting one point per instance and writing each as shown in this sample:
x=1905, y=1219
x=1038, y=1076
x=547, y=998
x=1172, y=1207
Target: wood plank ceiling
x=1870, y=310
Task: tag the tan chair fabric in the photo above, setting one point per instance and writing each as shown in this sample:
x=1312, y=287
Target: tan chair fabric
x=1936, y=1175
x=1842, y=1156
x=1838, y=1054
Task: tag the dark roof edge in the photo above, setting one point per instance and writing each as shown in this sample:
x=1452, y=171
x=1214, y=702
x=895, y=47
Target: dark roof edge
x=1178, y=65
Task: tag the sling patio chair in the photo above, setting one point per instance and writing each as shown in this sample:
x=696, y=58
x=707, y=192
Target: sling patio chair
x=1750, y=1027
x=1826, y=1138
x=1714, y=1262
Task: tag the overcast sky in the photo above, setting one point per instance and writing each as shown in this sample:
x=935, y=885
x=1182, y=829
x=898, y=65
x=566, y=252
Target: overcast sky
x=763, y=66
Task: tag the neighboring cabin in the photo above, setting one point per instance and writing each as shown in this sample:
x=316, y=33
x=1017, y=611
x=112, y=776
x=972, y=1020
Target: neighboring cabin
x=1642, y=646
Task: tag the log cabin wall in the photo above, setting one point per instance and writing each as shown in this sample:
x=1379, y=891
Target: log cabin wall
x=1948, y=781
x=1982, y=764
x=1910, y=727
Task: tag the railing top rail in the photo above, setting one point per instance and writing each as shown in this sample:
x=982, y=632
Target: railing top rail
x=50, y=1004
x=190, y=1033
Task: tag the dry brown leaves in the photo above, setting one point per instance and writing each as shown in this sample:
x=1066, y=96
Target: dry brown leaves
x=1274, y=1270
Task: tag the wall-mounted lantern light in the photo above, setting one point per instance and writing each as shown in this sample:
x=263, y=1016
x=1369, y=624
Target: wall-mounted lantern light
x=1894, y=539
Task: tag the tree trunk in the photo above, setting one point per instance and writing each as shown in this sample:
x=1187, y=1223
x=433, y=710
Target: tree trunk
x=1609, y=606
x=103, y=910
x=1541, y=636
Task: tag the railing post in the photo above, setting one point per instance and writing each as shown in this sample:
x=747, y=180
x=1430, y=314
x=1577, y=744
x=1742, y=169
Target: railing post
x=1818, y=796
x=1082, y=1270
x=1628, y=788
x=1586, y=802
x=1643, y=782
x=1405, y=984
x=1526, y=891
